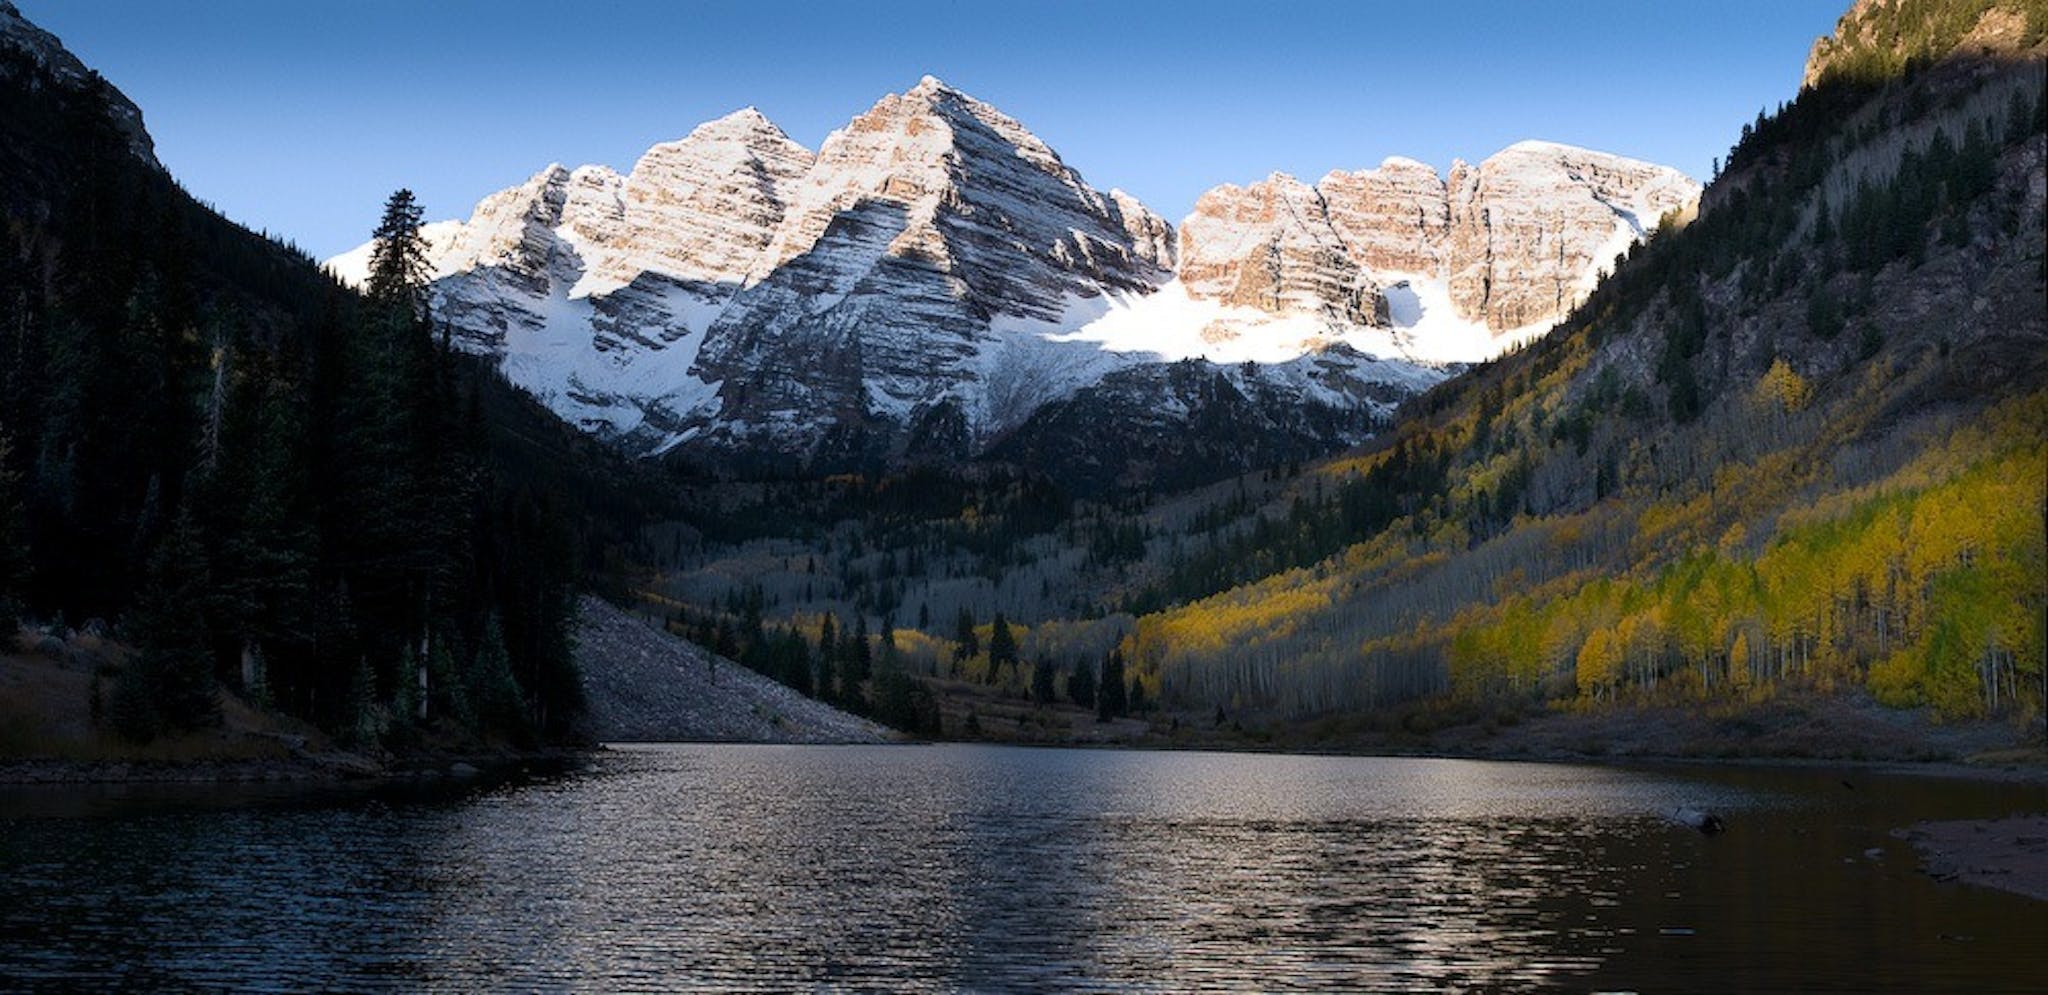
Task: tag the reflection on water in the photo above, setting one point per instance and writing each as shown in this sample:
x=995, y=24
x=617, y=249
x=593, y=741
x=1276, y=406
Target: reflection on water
x=947, y=868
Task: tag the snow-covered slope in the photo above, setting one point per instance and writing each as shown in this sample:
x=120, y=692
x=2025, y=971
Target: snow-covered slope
x=934, y=278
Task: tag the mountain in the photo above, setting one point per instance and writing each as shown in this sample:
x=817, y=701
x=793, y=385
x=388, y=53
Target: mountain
x=934, y=283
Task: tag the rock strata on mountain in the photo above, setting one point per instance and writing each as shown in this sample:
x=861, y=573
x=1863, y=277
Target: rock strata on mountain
x=1533, y=226
x=934, y=278
x=1517, y=240
x=43, y=48
x=1271, y=246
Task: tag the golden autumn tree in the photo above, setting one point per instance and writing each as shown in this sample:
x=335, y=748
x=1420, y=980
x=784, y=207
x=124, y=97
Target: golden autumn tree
x=1599, y=663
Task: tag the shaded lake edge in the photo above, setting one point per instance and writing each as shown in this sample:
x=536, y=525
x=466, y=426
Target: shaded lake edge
x=311, y=768
x=287, y=763
x=2008, y=854
x=2016, y=766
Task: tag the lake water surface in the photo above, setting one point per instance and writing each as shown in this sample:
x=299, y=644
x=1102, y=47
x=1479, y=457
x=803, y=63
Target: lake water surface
x=735, y=868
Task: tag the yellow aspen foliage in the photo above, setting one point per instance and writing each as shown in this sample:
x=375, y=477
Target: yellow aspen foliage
x=1738, y=663
x=1599, y=664
x=1784, y=387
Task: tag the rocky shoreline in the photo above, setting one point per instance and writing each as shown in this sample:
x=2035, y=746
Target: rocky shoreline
x=2009, y=854
x=307, y=768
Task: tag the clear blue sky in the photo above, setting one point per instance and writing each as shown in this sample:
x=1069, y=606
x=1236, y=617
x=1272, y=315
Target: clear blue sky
x=299, y=116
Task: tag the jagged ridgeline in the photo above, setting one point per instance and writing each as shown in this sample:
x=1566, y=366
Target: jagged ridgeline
x=1794, y=444
x=259, y=479
x=934, y=285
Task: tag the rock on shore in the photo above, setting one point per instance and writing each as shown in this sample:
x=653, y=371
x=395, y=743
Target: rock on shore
x=2009, y=854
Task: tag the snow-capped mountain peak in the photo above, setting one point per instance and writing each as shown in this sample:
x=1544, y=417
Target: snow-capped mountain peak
x=934, y=277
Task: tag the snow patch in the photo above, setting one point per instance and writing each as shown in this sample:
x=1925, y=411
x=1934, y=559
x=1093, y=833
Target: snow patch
x=1428, y=328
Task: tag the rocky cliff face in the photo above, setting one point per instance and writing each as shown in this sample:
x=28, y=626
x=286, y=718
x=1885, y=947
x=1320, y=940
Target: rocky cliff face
x=1396, y=218
x=1271, y=246
x=49, y=54
x=1518, y=239
x=1533, y=226
x=934, y=277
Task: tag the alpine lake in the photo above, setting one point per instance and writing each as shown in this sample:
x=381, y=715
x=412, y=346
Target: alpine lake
x=985, y=868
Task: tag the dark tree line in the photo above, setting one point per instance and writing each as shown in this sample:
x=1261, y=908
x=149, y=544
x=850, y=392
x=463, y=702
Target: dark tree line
x=262, y=480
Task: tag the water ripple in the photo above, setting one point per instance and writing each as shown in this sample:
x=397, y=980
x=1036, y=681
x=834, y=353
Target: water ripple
x=981, y=869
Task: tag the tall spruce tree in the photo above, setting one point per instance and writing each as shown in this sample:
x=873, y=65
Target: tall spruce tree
x=398, y=256
x=410, y=474
x=13, y=545
x=1042, y=681
x=966, y=644
x=170, y=685
x=859, y=657
x=1109, y=696
x=1002, y=648
x=1081, y=685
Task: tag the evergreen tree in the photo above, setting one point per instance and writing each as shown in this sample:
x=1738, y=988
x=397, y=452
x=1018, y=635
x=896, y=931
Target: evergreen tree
x=888, y=640
x=491, y=681
x=967, y=644
x=1002, y=647
x=405, y=696
x=170, y=686
x=903, y=702
x=13, y=545
x=830, y=679
x=398, y=256
x=1111, y=701
x=366, y=719
x=1081, y=686
x=1042, y=681
x=795, y=663
x=859, y=658
x=447, y=694
x=255, y=492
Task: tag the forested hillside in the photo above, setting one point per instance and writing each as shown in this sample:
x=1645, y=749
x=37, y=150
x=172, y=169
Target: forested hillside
x=1797, y=443
x=260, y=480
